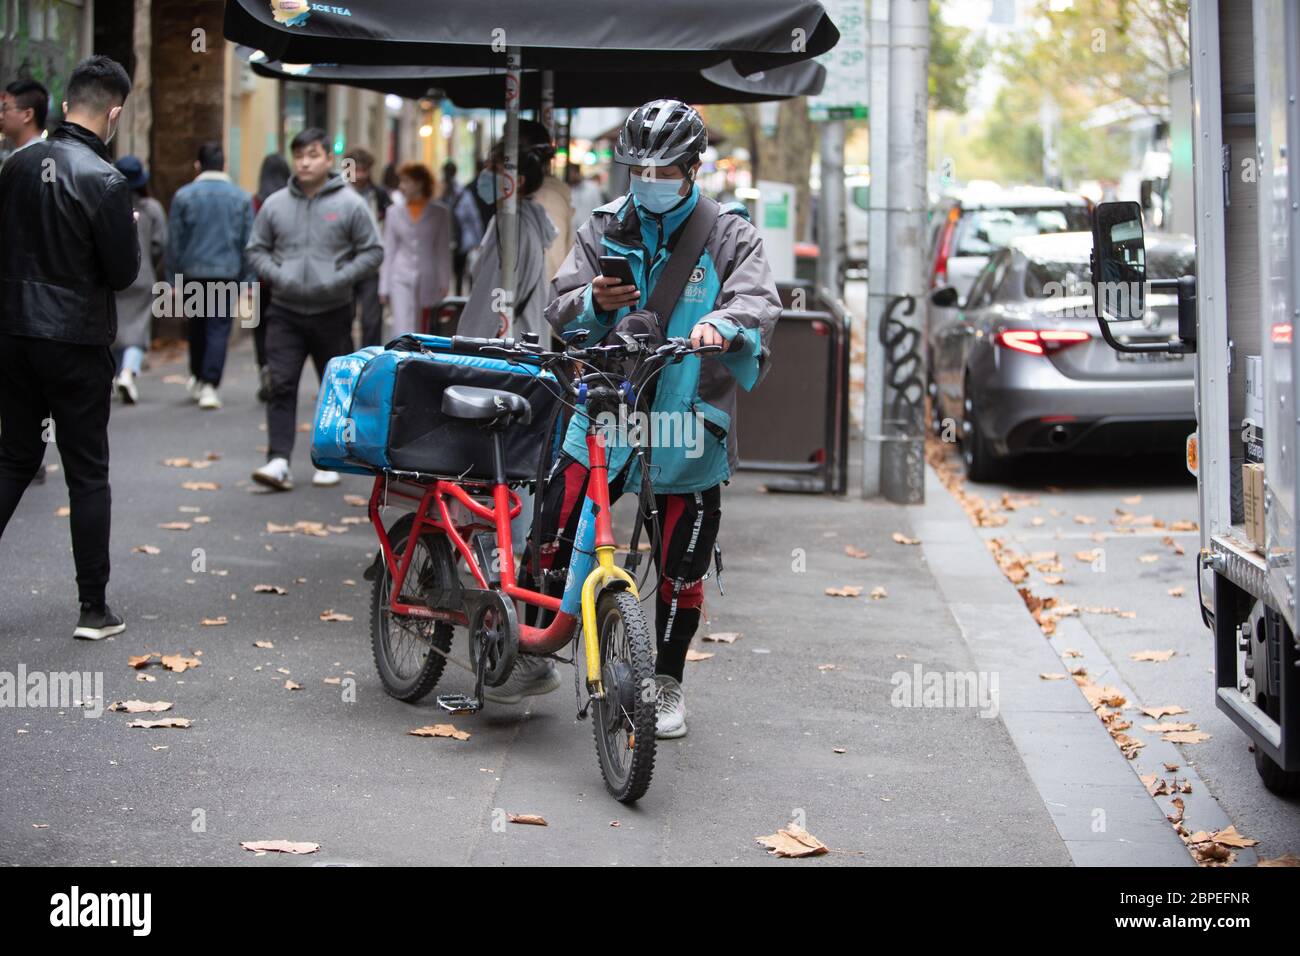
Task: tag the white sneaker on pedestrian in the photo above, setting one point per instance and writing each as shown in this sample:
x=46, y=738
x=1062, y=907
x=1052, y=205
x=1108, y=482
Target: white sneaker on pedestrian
x=325, y=479
x=192, y=388
x=126, y=387
x=275, y=474
x=209, y=400
x=670, y=708
x=530, y=677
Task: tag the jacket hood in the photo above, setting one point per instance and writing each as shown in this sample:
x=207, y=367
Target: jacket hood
x=333, y=183
x=535, y=213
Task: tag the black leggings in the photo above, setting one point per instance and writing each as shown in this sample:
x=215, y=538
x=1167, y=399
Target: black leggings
x=689, y=525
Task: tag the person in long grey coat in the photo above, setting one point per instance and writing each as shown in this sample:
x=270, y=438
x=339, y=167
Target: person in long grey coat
x=135, y=303
x=416, y=271
x=481, y=316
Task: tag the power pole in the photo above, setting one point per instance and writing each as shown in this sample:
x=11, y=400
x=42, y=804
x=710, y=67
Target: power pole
x=877, y=246
x=903, y=453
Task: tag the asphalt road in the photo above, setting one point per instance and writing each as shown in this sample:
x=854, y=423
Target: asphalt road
x=1136, y=570
x=334, y=764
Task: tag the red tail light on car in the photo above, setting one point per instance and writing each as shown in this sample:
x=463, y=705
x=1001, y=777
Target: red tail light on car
x=939, y=278
x=1034, y=342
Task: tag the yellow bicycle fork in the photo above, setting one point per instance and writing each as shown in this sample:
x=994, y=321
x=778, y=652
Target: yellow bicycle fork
x=605, y=572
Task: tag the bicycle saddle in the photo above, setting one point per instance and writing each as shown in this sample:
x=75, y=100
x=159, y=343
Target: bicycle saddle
x=485, y=404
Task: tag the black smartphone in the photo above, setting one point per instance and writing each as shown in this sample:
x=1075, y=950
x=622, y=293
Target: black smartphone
x=618, y=268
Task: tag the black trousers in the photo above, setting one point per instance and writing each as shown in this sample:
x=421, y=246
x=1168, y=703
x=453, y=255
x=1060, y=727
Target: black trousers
x=290, y=338
x=57, y=391
x=689, y=527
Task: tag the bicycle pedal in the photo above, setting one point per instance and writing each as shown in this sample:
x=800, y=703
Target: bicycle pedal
x=459, y=704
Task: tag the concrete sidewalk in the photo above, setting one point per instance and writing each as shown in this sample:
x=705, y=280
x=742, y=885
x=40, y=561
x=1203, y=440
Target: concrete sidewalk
x=915, y=785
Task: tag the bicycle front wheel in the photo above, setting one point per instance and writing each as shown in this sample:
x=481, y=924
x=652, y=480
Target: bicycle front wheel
x=624, y=721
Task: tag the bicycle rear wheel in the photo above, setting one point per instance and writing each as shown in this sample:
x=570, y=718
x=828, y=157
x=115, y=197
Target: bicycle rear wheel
x=624, y=721
x=404, y=646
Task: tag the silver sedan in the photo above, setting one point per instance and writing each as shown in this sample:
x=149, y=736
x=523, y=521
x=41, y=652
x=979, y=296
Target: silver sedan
x=1020, y=367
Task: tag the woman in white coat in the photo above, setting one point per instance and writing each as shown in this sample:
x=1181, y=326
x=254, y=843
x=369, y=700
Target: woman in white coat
x=416, y=272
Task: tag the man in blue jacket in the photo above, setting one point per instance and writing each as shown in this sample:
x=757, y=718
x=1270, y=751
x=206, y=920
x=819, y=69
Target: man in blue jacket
x=731, y=301
x=211, y=220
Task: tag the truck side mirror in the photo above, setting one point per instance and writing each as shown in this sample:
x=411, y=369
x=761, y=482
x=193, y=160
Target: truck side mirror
x=1118, y=262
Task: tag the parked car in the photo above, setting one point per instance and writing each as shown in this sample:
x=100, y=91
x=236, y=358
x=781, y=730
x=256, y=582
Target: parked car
x=1019, y=367
x=969, y=225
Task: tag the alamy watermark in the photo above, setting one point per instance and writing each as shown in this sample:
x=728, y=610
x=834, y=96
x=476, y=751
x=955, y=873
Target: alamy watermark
x=212, y=298
x=946, y=689
x=56, y=689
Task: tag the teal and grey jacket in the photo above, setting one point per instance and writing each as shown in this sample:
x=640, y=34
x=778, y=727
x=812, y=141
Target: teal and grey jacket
x=731, y=288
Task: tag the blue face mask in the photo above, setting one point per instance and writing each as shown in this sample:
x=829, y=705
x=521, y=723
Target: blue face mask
x=657, y=195
x=489, y=186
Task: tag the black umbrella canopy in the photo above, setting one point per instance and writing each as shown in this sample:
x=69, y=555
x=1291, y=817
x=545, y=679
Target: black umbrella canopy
x=477, y=88
x=597, y=35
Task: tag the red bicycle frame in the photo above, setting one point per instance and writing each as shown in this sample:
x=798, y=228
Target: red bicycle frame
x=433, y=513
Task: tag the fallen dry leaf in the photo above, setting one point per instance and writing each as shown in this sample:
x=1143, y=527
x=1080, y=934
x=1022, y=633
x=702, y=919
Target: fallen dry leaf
x=439, y=730
x=1186, y=737
x=179, y=663
x=1051, y=677
x=356, y=500
x=1176, y=592
x=1286, y=859
x=140, y=706
x=264, y=645
x=1229, y=836
x=1168, y=710
x=528, y=819
x=333, y=615
x=899, y=538
x=1184, y=526
x=1149, y=558
x=792, y=841
x=175, y=526
x=1156, y=656
x=853, y=552
x=723, y=637
x=200, y=486
x=1084, y=519
x=145, y=549
x=279, y=846
x=849, y=590
x=693, y=655
x=180, y=722
x=269, y=589
x=292, y=685
x=878, y=593
x=1162, y=728
x=215, y=621
x=334, y=680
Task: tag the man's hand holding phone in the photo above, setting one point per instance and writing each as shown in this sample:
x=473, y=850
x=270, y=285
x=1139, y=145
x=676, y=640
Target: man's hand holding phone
x=614, y=288
x=611, y=294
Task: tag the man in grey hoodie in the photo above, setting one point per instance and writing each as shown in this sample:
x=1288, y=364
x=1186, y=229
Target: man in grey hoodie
x=314, y=239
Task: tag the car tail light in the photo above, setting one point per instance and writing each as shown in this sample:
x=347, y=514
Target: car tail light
x=1034, y=342
x=939, y=278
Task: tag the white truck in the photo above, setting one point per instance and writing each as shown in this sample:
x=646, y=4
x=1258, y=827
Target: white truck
x=1237, y=315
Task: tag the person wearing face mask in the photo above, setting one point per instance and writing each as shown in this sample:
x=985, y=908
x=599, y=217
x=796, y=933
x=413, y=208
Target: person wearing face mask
x=729, y=300
x=70, y=243
x=480, y=316
x=416, y=271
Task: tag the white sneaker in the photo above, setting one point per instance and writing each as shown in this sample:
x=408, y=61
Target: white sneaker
x=209, y=400
x=275, y=474
x=531, y=676
x=192, y=387
x=126, y=387
x=325, y=479
x=670, y=708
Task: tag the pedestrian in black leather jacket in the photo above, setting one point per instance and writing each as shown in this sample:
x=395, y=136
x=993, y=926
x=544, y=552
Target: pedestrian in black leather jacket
x=64, y=257
x=67, y=243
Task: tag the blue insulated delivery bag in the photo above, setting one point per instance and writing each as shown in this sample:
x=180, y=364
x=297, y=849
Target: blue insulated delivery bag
x=381, y=409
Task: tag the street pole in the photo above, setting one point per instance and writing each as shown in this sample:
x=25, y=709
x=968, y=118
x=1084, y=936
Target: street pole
x=508, y=213
x=873, y=392
x=903, y=457
x=830, y=211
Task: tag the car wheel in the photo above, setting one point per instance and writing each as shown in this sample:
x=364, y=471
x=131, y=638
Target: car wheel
x=982, y=464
